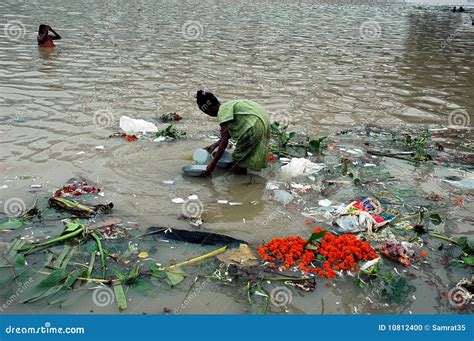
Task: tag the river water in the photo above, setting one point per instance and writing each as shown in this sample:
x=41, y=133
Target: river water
x=319, y=67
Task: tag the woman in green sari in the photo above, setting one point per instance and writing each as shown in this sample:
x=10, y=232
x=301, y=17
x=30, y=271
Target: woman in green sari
x=244, y=121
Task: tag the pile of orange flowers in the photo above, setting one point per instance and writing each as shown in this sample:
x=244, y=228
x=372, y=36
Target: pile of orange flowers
x=342, y=253
x=336, y=252
x=287, y=250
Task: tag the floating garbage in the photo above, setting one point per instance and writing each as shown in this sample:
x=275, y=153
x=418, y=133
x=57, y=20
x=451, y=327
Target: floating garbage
x=283, y=196
x=170, y=117
x=160, y=139
x=243, y=256
x=130, y=125
x=78, y=208
x=325, y=202
x=336, y=252
x=271, y=185
x=399, y=252
x=76, y=188
x=301, y=166
x=367, y=214
x=170, y=132
x=129, y=138
x=459, y=182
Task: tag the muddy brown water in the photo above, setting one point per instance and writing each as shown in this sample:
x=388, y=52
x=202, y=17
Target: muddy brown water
x=318, y=67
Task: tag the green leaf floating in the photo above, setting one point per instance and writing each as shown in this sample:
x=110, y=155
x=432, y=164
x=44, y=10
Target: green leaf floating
x=19, y=259
x=435, y=218
x=172, y=277
x=11, y=224
x=120, y=297
x=469, y=260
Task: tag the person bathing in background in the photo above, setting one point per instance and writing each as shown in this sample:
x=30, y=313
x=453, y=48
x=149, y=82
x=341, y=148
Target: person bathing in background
x=246, y=122
x=44, y=38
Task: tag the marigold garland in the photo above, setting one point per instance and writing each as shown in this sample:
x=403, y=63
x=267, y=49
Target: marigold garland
x=337, y=252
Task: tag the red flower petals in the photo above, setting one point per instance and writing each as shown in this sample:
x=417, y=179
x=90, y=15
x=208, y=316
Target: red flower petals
x=340, y=253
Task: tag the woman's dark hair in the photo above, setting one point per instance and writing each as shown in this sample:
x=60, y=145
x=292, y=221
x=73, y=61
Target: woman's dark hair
x=205, y=100
x=41, y=28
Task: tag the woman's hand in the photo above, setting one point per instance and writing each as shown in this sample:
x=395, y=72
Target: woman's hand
x=212, y=147
x=206, y=173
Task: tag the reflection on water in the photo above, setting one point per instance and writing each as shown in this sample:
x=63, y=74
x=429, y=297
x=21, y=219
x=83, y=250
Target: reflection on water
x=317, y=66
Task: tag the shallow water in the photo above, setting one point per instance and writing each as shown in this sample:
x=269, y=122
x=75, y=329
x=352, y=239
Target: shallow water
x=317, y=66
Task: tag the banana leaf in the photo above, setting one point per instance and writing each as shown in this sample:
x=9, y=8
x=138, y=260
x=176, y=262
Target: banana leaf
x=55, y=283
x=173, y=278
x=60, y=239
x=11, y=224
x=78, y=208
x=120, y=297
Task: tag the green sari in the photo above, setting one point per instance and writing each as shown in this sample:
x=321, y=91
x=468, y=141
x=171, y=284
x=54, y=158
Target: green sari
x=249, y=124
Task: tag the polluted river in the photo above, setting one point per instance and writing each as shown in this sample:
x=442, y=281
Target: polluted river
x=391, y=92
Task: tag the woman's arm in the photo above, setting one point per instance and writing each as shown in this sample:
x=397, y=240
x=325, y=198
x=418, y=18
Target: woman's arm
x=42, y=37
x=213, y=146
x=56, y=36
x=223, y=142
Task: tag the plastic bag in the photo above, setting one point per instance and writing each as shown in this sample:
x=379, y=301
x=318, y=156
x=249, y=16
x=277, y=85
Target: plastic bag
x=301, y=166
x=131, y=125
